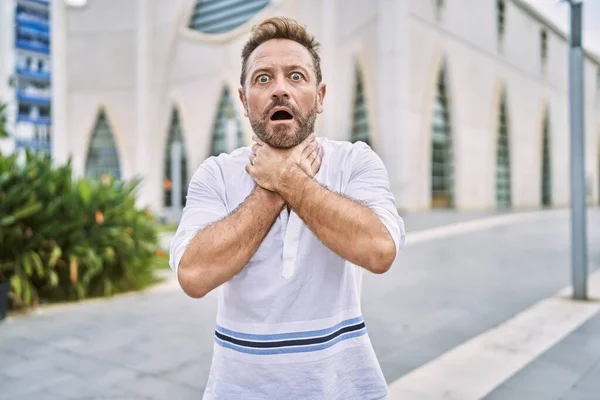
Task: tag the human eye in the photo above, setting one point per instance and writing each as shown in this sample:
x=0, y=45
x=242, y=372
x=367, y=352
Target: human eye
x=296, y=76
x=263, y=78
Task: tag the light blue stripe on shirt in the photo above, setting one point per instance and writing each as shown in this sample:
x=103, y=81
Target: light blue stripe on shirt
x=291, y=335
x=288, y=350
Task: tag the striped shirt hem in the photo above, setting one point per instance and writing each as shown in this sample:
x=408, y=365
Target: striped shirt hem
x=293, y=342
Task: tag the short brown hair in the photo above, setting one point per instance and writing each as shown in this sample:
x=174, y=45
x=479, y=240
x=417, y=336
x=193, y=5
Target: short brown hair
x=281, y=28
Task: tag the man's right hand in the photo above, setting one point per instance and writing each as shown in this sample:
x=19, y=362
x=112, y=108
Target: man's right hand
x=310, y=159
x=266, y=163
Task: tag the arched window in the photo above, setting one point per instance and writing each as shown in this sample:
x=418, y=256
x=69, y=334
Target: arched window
x=360, y=119
x=102, y=156
x=500, y=20
x=227, y=132
x=546, y=165
x=220, y=16
x=503, y=184
x=175, y=186
x=442, y=168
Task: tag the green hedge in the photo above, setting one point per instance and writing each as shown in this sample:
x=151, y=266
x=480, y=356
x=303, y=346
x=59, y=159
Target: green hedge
x=64, y=239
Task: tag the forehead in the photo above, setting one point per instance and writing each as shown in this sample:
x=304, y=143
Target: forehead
x=279, y=53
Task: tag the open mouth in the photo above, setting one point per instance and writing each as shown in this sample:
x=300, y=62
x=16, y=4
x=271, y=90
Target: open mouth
x=281, y=115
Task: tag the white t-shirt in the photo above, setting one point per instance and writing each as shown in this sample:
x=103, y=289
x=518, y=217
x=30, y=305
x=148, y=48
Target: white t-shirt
x=289, y=325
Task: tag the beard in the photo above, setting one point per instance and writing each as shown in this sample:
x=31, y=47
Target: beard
x=283, y=136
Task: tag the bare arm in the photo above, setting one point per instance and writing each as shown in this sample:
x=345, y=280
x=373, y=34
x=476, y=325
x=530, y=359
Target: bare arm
x=349, y=228
x=361, y=226
x=220, y=251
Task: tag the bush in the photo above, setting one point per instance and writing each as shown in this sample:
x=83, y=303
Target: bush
x=62, y=239
x=3, y=132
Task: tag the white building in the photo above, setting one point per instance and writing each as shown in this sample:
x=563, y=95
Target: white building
x=25, y=71
x=465, y=101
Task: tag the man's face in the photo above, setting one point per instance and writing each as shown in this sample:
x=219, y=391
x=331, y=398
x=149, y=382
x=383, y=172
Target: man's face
x=281, y=96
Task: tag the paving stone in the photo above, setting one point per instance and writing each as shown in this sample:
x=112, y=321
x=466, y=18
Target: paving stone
x=580, y=394
x=576, y=358
x=591, y=380
x=82, y=366
x=508, y=393
x=25, y=368
x=44, y=394
x=193, y=374
x=545, y=377
x=402, y=360
x=8, y=360
x=101, y=385
x=32, y=383
x=123, y=356
x=158, y=388
x=571, y=365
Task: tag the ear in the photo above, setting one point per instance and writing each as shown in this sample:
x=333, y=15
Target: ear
x=321, y=91
x=243, y=100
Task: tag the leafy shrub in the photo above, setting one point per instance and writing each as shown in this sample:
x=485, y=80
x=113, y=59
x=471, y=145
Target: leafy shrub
x=64, y=239
x=3, y=132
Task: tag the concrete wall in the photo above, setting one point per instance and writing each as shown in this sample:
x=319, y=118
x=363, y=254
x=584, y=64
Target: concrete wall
x=399, y=47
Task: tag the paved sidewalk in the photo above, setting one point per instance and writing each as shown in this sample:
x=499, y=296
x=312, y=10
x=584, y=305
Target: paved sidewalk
x=570, y=370
x=158, y=344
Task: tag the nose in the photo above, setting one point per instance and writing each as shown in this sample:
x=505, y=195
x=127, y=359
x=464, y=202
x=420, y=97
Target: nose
x=280, y=89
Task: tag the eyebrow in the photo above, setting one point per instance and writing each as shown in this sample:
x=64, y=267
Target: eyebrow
x=270, y=68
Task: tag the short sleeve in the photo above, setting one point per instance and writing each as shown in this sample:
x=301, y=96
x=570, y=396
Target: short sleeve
x=369, y=184
x=205, y=204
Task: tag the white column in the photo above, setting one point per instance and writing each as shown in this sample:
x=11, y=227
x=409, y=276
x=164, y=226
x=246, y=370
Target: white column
x=393, y=91
x=143, y=134
x=58, y=51
x=176, y=156
x=231, y=136
x=331, y=128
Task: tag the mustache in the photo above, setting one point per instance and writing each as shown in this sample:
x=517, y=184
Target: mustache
x=281, y=102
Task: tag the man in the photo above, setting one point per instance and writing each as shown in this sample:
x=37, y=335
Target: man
x=285, y=229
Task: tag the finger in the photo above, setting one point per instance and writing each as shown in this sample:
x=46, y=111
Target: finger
x=257, y=140
x=309, y=142
x=307, y=150
x=255, y=147
x=316, y=165
x=316, y=157
x=251, y=158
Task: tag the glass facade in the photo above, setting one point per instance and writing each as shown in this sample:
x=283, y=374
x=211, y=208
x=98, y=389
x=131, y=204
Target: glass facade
x=175, y=136
x=32, y=75
x=503, y=185
x=220, y=16
x=102, y=157
x=500, y=17
x=227, y=132
x=442, y=168
x=360, y=119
